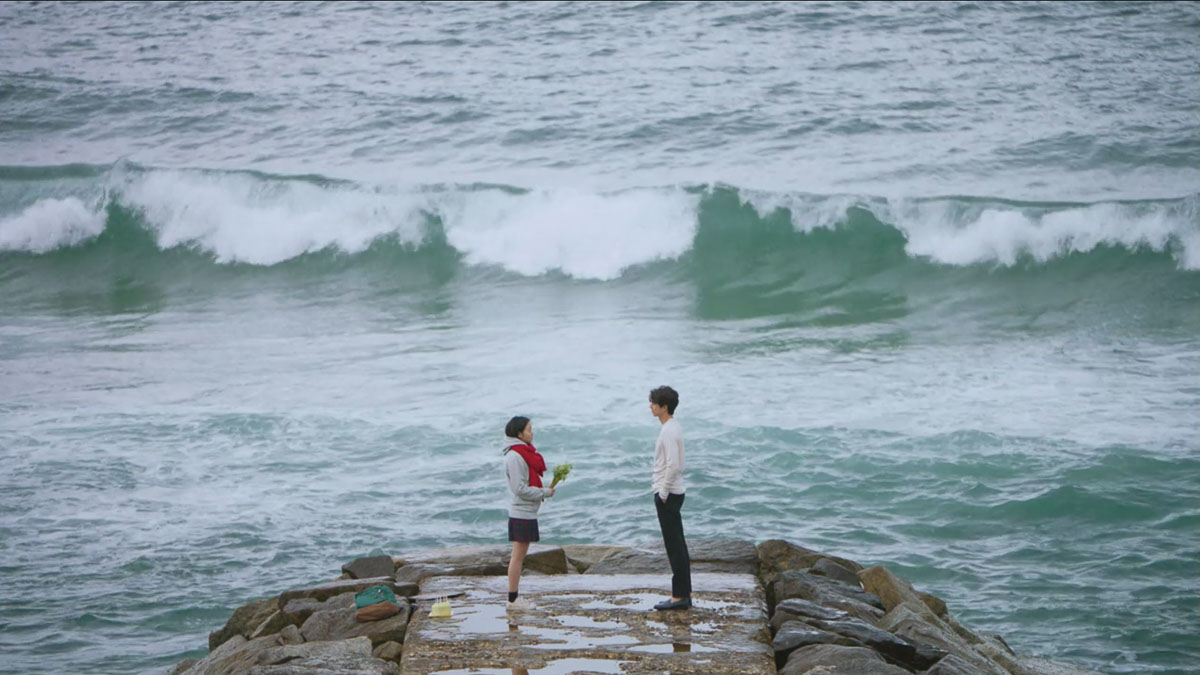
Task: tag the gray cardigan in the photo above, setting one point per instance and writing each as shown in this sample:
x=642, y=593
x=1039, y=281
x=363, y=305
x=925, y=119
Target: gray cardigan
x=525, y=499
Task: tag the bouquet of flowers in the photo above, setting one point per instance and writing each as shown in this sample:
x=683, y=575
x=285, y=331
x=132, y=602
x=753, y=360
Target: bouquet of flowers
x=560, y=474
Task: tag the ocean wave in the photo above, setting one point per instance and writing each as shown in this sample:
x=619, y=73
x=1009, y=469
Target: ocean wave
x=50, y=224
x=259, y=219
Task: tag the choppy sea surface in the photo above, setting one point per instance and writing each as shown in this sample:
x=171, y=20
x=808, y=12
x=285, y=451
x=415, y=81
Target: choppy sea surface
x=274, y=276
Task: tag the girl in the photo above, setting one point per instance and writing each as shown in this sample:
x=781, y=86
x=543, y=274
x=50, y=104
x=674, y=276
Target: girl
x=524, y=468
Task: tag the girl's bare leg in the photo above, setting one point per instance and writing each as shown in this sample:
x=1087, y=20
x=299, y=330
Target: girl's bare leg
x=520, y=548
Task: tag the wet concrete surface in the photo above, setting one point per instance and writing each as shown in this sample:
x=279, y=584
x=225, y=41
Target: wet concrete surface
x=592, y=624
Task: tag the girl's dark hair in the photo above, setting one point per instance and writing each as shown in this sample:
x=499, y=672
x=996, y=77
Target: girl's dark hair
x=515, y=426
x=665, y=396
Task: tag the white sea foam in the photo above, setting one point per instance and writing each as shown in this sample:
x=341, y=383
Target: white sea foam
x=1002, y=234
x=585, y=235
x=242, y=218
x=246, y=219
x=954, y=232
x=49, y=224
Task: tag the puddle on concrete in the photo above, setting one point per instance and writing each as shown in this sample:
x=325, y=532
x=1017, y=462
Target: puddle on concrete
x=625, y=601
x=674, y=647
x=671, y=620
x=467, y=621
x=599, y=604
x=560, y=667
x=553, y=638
x=599, y=583
x=565, y=666
x=633, y=602
x=594, y=625
x=645, y=601
x=588, y=622
x=559, y=596
x=719, y=604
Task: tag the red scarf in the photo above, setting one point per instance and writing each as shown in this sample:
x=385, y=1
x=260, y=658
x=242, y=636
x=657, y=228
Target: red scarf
x=537, y=465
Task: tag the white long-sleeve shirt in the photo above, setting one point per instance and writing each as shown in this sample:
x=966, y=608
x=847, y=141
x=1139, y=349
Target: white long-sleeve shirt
x=668, y=460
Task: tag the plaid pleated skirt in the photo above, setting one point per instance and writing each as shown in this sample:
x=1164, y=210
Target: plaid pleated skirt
x=522, y=530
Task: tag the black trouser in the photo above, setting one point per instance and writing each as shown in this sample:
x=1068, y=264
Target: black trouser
x=671, y=524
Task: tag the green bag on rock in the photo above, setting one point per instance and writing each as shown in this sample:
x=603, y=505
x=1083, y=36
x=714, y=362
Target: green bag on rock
x=372, y=595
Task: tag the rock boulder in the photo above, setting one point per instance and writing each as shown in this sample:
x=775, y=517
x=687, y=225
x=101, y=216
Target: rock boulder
x=334, y=621
x=893, y=591
x=838, y=659
x=896, y=649
x=317, y=658
x=474, y=560
x=583, y=556
x=325, y=591
x=244, y=621
x=777, y=555
x=797, y=608
x=389, y=651
x=271, y=625
x=234, y=656
x=796, y=634
x=920, y=628
x=723, y=556
x=368, y=568
x=825, y=591
x=297, y=611
x=828, y=568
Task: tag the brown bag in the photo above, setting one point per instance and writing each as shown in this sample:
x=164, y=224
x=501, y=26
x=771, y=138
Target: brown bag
x=377, y=611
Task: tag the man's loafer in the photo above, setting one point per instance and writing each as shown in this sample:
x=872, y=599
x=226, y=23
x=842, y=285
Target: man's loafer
x=685, y=603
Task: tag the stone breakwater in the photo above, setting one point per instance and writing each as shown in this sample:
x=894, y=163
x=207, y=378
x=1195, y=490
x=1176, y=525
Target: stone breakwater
x=774, y=607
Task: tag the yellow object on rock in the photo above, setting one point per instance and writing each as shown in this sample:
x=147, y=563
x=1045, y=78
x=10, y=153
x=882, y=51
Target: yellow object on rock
x=440, y=609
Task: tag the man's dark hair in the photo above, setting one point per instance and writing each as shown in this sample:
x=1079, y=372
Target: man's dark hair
x=665, y=396
x=515, y=426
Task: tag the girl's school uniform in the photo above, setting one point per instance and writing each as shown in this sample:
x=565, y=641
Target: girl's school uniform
x=523, y=469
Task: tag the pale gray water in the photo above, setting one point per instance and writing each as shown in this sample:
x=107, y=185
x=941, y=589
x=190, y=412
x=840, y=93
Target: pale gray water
x=273, y=277
x=1028, y=100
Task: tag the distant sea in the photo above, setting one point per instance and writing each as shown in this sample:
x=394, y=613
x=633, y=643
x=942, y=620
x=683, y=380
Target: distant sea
x=274, y=276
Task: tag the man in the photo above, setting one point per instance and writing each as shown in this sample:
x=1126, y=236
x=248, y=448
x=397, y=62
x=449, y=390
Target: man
x=668, y=496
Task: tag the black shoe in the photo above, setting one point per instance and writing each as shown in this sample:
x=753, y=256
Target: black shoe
x=685, y=603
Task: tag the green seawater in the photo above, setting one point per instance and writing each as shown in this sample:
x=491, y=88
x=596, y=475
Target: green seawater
x=273, y=278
